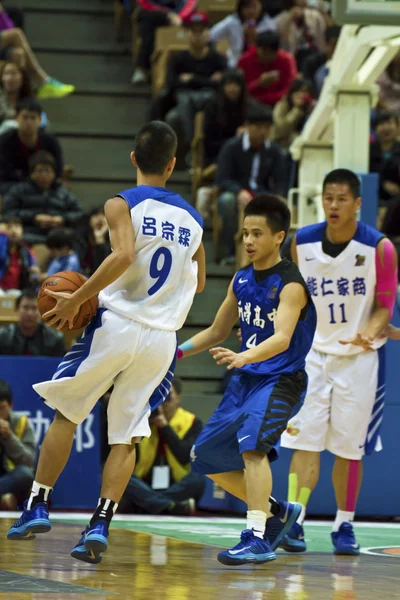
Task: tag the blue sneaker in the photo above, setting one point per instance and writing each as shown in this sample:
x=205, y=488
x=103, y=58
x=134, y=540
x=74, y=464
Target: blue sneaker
x=294, y=540
x=251, y=549
x=344, y=541
x=279, y=525
x=31, y=522
x=92, y=544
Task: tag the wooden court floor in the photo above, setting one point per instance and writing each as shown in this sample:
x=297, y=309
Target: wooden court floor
x=144, y=566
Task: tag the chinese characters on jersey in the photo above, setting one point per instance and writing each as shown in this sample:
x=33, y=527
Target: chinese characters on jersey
x=168, y=231
x=320, y=286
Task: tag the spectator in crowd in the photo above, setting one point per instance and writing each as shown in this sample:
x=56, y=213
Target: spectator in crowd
x=391, y=223
x=248, y=165
x=316, y=66
x=301, y=30
x=389, y=83
x=193, y=77
x=225, y=113
x=18, y=145
x=292, y=111
x=15, y=47
x=42, y=202
x=60, y=242
x=93, y=244
x=241, y=28
x=154, y=14
x=162, y=482
x=15, y=85
x=30, y=336
x=17, y=263
x=17, y=452
x=268, y=70
x=385, y=154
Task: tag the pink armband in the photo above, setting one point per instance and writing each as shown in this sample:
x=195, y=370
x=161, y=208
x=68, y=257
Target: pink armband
x=179, y=354
x=386, y=276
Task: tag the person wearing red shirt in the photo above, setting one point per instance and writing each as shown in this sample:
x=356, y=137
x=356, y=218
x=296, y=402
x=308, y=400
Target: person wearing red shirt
x=17, y=263
x=268, y=70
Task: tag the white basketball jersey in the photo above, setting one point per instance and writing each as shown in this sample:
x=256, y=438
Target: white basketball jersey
x=159, y=287
x=342, y=288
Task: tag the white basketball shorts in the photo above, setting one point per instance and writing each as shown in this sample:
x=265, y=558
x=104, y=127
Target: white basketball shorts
x=343, y=407
x=112, y=351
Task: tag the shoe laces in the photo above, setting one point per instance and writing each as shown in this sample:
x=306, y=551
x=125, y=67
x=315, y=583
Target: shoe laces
x=346, y=530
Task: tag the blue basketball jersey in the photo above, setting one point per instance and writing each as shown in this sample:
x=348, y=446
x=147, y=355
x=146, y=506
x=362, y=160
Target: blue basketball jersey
x=258, y=294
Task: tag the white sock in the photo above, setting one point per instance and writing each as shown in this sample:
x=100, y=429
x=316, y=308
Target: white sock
x=38, y=489
x=256, y=520
x=342, y=516
x=302, y=515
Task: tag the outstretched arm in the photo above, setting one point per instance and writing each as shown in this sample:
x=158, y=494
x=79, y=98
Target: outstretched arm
x=292, y=300
x=225, y=319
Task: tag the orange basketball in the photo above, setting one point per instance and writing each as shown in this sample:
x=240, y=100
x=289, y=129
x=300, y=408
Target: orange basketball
x=67, y=281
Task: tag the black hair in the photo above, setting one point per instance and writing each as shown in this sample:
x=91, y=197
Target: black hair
x=5, y=391
x=288, y=4
x=96, y=210
x=12, y=219
x=258, y=113
x=296, y=86
x=42, y=157
x=232, y=113
x=29, y=104
x=177, y=385
x=332, y=32
x=28, y=293
x=25, y=91
x=241, y=4
x=273, y=208
x=344, y=177
x=383, y=116
x=268, y=40
x=155, y=145
x=59, y=238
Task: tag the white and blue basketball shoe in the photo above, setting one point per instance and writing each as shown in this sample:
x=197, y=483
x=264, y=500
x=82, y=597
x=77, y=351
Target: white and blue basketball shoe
x=279, y=525
x=251, y=549
x=344, y=541
x=92, y=544
x=33, y=521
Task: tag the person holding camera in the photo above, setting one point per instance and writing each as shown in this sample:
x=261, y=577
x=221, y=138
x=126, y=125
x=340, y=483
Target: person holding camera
x=291, y=113
x=162, y=482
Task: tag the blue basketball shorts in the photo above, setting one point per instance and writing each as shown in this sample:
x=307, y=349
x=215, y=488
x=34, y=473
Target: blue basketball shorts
x=252, y=415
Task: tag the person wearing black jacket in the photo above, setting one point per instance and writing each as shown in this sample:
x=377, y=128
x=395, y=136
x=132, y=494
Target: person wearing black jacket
x=41, y=202
x=18, y=145
x=162, y=481
x=29, y=336
x=93, y=245
x=248, y=165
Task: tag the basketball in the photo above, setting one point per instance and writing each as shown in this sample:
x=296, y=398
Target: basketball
x=67, y=281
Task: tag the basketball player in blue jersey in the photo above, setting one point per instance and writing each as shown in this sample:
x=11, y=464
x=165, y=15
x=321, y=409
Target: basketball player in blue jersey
x=146, y=288
x=277, y=318
x=351, y=271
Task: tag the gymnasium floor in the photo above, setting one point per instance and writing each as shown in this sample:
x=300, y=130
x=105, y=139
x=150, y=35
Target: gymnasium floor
x=154, y=558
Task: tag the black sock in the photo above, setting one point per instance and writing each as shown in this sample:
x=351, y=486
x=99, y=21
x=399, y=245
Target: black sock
x=105, y=510
x=275, y=507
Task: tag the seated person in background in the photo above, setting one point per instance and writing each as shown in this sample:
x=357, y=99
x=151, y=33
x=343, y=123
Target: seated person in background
x=162, y=481
x=15, y=85
x=42, y=202
x=60, y=242
x=241, y=28
x=17, y=262
x=316, y=66
x=18, y=145
x=17, y=452
x=291, y=113
x=385, y=153
x=301, y=30
x=389, y=83
x=248, y=165
x=268, y=70
x=154, y=14
x=93, y=243
x=193, y=76
x=30, y=336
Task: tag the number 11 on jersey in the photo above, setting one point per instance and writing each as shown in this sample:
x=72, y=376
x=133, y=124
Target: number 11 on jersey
x=337, y=313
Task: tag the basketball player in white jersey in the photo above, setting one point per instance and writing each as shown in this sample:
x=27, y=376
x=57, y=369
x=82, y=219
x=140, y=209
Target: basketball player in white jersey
x=146, y=288
x=351, y=272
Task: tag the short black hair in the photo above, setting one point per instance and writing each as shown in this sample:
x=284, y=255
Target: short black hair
x=343, y=176
x=177, y=385
x=273, y=208
x=41, y=158
x=155, y=145
x=268, y=39
x=8, y=219
x=332, y=32
x=28, y=293
x=5, y=391
x=29, y=104
x=258, y=113
x=59, y=238
x=383, y=116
